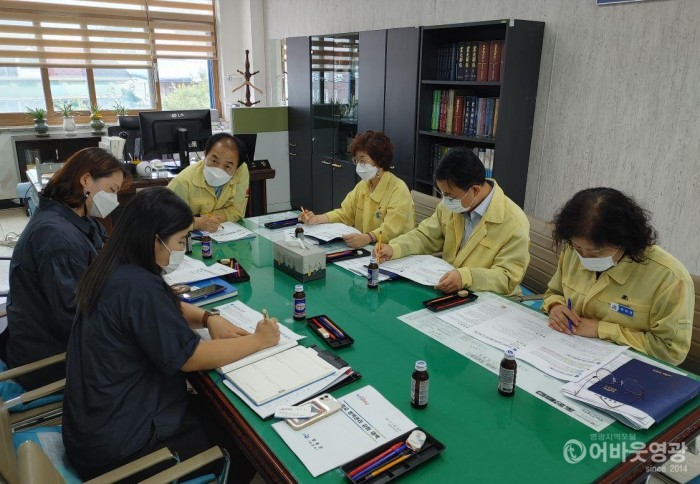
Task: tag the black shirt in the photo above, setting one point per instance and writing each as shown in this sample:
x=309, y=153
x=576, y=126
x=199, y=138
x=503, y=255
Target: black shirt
x=49, y=259
x=124, y=384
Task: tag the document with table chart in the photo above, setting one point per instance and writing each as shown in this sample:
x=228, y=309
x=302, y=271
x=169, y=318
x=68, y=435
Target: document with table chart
x=507, y=325
x=229, y=232
x=366, y=421
x=273, y=217
x=193, y=270
x=423, y=269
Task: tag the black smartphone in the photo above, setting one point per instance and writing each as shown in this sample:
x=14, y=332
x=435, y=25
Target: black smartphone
x=201, y=293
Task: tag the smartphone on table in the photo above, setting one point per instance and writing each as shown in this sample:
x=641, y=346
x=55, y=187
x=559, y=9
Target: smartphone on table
x=323, y=405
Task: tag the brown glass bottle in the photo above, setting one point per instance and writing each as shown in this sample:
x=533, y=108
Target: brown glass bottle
x=373, y=273
x=188, y=243
x=299, y=232
x=419, y=385
x=299, y=297
x=206, y=246
x=507, y=373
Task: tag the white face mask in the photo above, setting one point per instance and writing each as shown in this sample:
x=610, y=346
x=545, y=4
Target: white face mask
x=103, y=203
x=176, y=258
x=597, y=264
x=366, y=171
x=216, y=177
x=455, y=205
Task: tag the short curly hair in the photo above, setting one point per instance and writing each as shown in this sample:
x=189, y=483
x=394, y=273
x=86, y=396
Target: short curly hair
x=377, y=145
x=606, y=216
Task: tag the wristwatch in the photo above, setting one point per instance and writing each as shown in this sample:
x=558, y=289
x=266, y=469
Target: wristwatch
x=207, y=314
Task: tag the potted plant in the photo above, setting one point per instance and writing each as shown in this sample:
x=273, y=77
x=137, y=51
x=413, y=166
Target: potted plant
x=39, y=117
x=65, y=109
x=96, y=122
x=119, y=109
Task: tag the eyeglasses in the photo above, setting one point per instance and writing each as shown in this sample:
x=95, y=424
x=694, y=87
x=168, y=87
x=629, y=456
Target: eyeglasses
x=629, y=385
x=357, y=160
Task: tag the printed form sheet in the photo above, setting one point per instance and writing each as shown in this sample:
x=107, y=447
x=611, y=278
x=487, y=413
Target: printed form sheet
x=423, y=269
x=229, y=231
x=193, y=270
x=505, y=325
x=530, y=379
x=366, y=421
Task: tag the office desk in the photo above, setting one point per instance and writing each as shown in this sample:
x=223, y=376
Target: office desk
x=488, y=437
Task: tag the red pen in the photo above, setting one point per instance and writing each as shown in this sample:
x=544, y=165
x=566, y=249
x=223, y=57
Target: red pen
x=450, y=304
x=375, y=459
x=324, y=332
x=332, y=327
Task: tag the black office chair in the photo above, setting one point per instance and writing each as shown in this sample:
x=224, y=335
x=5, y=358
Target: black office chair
x=130, y=126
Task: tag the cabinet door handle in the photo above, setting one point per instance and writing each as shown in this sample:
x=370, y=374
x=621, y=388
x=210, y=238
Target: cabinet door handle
x=325, y=162
x=293, y=145
x=292, y=154
x=336, y=165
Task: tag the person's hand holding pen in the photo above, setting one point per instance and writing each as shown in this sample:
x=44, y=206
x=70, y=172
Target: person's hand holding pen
x=267, y=331
x=382, y=252
x=564, y=319
x=206, y=222
x=308, y=217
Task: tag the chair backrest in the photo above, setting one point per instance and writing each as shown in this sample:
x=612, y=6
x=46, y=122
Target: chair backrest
x=692, y=361
x=8, y=458
x=425, y=205
x=35, y=467
x=543, y=258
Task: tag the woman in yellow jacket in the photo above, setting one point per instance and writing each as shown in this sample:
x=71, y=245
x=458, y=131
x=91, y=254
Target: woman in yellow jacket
x=216, y=189
x=479, y=230
x=621, y=286
x=379, y=203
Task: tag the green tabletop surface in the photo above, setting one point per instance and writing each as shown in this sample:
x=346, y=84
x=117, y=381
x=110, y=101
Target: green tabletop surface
x=487, y=437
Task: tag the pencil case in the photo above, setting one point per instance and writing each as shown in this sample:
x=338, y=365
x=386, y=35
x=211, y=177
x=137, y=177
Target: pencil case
x=327, y=329
x=278, y=224
x=451, y=301
x=431, y=448
x=240, y=276
x=346, y=254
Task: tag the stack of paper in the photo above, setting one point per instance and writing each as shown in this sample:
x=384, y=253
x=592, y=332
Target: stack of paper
x=229, y=231
x=366, y=421
x=193, y=270
x=423, y=269
x=326, y=232
x=636, y=393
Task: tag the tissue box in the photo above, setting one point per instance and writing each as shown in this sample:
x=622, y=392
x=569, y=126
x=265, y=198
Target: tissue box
x=302, y=264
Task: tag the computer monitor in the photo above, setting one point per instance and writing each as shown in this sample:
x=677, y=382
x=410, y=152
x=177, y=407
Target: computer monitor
x=167, y=132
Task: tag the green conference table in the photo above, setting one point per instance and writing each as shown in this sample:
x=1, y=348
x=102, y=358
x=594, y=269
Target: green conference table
x=487, y=437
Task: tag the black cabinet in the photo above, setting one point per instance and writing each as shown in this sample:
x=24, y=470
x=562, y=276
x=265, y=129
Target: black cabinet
x=300, y=122
x=335, y=178
x=56, y=148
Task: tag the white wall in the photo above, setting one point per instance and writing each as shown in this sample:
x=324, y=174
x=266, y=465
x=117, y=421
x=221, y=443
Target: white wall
x=618, y=102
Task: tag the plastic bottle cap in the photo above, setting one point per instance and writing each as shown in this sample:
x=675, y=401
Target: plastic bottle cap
x=421, y=365
x=372, y=260
x=299, y=288
x=204, y=233
x=509, y=354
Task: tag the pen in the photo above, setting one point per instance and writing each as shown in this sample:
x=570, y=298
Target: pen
x=324, y=332
x=304, y=215
x=451, y=303
x=237, y=268
x=375, y=459
x=568, y=305
x=330, y=329
x=379, y=248
x=449, y=296
x=332, y=326
x=380, y=462
x=264, y=313
x=389, y=465
x=338, y=254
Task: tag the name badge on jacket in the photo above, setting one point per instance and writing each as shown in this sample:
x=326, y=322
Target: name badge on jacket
x=627, y=311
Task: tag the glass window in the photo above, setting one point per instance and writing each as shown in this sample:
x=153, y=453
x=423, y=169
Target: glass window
x=130, y=88
x=70, y=85
x=20, y=88
x=184, y=84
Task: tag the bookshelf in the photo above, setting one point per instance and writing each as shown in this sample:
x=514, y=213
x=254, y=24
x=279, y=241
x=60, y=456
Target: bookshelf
x=514, y=83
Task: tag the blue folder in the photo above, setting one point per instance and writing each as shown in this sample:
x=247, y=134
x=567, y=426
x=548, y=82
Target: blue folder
x=663, y=391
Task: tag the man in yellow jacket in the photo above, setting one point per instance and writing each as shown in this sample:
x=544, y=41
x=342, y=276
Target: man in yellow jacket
x=216, y=189
x=479, y=230
x=614, y=283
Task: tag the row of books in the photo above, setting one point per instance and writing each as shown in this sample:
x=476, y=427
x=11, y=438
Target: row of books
x=470, y=61
x=438, y=150
x=458, y=114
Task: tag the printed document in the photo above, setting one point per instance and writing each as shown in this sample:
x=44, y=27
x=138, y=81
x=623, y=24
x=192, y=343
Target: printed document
x=359, y=266
x=326, y=232
x=273, y=217
x=423, y=269
x=366, y=421
x=229, y=231
x=193, y=270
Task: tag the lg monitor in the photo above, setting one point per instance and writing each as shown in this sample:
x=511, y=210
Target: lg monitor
x=166, y=132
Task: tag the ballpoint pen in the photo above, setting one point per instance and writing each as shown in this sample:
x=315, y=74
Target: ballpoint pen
x=568, y=305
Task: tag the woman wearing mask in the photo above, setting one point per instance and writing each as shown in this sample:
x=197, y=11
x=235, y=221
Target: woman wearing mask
x=217, y=188
x=132, y=342
x=379, y=203
x=621, y=285
x=54, y=251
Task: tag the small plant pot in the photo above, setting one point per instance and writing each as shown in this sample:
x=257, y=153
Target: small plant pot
x=40, y=127
x=69, y=125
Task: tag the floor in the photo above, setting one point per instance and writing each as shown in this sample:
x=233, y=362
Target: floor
x=13, y=221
